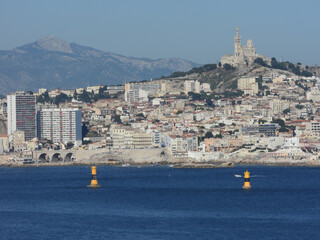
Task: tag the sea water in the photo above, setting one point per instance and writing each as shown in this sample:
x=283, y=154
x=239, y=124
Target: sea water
x=159, y=203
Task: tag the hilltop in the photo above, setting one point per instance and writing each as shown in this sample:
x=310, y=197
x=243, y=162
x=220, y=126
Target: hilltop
x=53, y=63
x=225, y=77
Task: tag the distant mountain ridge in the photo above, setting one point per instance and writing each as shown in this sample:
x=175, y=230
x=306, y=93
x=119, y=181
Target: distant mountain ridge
x=53, y=63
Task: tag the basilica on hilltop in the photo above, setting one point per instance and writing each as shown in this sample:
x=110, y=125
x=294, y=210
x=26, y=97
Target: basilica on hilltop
x=242, y=54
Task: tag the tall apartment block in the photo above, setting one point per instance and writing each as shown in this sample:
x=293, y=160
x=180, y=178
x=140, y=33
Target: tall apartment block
x=21, y=112
x=60, y=125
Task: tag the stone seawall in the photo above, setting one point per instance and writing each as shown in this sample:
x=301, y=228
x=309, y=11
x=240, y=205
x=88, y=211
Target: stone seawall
x=133, y=156
x=143, y=157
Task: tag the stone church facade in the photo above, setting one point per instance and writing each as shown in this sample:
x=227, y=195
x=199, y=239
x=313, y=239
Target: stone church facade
x=242, y=54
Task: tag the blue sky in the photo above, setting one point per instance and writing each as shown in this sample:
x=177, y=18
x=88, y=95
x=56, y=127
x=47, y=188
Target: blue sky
x=200, y=31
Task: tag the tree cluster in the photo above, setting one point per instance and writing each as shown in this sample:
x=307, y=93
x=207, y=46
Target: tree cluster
x=84, y=96
x=202, y=69
x=287, y=66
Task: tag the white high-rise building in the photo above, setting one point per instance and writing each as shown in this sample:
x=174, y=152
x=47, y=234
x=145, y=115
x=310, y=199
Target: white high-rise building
x=61, y=125
x=21, y=113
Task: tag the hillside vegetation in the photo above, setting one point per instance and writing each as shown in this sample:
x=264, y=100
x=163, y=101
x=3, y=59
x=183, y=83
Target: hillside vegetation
x=225, y=77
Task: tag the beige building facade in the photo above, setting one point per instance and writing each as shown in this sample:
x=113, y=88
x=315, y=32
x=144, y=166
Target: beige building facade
x=248, y=85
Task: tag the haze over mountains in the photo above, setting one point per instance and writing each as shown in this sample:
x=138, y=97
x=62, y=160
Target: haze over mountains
x=53, y=63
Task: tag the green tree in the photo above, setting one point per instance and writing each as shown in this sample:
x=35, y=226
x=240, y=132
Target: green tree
x=218, y=135
x=228, y=67
x=195, y=96
x=203, y=95
x=278, y=65
x=209, y=102
x=279, y=121
x=85, y=129
x=117, y=119
x=101, y=94
x=179, y=112
x=274, y=63
x=44, y=97
x=306, y=73
x=85, y=96
x=70, y=145
x=208, y=135
x=262, y=121
x=261, y=62
x=260, y=81
x=286, y=111
x=283, y=129
x=61, y=98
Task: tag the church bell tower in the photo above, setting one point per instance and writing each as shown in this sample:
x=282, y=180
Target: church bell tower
x=237, y=44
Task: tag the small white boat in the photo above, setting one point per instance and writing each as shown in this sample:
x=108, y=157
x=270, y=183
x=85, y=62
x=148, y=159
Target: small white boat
x=237, y=175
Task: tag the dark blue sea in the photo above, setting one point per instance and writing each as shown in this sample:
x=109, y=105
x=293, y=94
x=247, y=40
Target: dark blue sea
x=159, y=203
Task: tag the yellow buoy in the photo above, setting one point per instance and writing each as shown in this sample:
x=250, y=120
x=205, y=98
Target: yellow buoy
x=246, y=184
x=94, y=181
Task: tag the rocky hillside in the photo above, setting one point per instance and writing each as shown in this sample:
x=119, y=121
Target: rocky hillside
x=225, y=77
x=54, y=63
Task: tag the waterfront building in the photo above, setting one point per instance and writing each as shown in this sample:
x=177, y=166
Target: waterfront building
x=142, y=140
x=21, y=113
x=122, y=137
x=4, y=143
x=1, y=147
x=290, y=149
x=61, y=125
x=18, y=142
x=156, y=137
x=179, y=145
x=129, y=138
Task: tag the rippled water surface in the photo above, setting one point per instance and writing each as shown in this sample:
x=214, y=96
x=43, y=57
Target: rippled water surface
x=159, y=203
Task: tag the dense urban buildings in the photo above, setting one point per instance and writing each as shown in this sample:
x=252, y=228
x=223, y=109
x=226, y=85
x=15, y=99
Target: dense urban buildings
x=213, y=112
x=139, y=92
